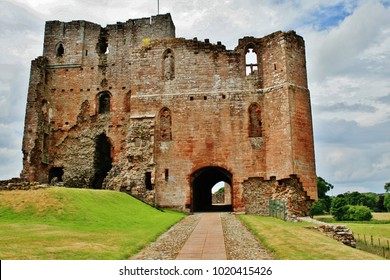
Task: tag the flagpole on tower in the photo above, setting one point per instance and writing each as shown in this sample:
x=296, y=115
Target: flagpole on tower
x=158, y=7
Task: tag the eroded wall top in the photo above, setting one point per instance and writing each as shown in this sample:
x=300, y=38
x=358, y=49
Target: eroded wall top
x=76, y=42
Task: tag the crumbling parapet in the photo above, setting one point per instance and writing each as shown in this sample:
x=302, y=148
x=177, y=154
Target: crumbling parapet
x=258, y=193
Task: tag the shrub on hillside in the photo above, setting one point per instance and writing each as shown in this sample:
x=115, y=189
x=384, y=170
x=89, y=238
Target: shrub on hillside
x=358, y=213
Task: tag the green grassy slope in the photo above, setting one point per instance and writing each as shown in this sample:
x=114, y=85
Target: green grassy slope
x=61, y=223
x=292, y=241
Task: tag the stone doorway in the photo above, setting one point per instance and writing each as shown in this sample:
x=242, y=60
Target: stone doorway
x=202, y=181
x=102, y=160
x=55, y=174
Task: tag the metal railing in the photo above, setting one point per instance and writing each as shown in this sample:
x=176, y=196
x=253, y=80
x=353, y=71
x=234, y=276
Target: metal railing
x=277, y=209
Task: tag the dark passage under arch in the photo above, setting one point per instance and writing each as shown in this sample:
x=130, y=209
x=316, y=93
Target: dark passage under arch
x=102, y=160
x=202, y=181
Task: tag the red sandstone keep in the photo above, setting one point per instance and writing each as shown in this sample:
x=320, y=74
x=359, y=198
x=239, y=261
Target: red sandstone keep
x=130, y=107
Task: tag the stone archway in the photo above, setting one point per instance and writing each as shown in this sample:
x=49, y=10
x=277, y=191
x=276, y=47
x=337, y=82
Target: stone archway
x=202, y=181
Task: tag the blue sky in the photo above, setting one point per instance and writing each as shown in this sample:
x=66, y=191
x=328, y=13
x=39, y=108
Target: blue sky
x=326, y=17
x=348, y=62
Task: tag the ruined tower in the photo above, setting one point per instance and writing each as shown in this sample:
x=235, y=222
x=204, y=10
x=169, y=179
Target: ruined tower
x=130, y=107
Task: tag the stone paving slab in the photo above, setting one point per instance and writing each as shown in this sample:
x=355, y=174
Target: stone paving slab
x=206, y=241
x=239, y=242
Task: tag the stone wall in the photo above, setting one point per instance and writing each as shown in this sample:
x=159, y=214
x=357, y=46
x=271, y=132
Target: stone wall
x=218, y=198
x=17, y=184
x=131, y=108
x=338, y=232
x=258, y=192
x=136, y=174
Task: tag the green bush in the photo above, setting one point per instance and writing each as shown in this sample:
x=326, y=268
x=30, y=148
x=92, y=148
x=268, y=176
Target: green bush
x=317, y=208
x=338, y=208
x=358, y=213
x=341, y=211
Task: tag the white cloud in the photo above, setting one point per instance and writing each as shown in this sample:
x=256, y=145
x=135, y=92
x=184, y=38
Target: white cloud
x=362, y=166
x=10, y=164
x=337, y=50
x=10, y=150
x=383, y=162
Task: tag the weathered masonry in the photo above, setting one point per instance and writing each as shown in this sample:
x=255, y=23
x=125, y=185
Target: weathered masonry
x=132, y=108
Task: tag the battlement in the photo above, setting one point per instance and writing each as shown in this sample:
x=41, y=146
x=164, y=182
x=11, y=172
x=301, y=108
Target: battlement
x=73, y=42
x=158, y=22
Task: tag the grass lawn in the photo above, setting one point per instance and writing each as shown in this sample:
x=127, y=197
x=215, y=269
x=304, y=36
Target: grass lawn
x=376, y=217
x=378, y=228
x=62, y=223
x=291, y=241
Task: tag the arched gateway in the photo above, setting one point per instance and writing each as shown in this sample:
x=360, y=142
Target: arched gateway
x=202, y=181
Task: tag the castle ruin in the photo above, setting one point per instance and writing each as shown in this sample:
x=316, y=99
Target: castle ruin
x=130, y=107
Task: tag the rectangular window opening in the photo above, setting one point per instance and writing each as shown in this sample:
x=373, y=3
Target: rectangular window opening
x=166, y=175
x=148, y=181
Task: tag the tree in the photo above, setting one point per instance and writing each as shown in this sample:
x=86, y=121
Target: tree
x=338, y=208
x=317, y=208
x=221, y=190
x=370, y=200
x=386, y=202
x=387, y=187
x=323, y=187
x=380, y=206
x=367, y=199
x=352, y=198
x=327, y=202
x=324, y=200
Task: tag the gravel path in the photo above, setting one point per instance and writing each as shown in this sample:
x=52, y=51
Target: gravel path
x=168, y=245
x=240, y=243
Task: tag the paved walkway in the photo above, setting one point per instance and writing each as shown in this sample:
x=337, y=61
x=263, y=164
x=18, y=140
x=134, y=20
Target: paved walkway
x=206, y=242
x=200, y=236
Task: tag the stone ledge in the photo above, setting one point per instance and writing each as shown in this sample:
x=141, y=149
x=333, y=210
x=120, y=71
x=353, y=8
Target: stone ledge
x=12, y=185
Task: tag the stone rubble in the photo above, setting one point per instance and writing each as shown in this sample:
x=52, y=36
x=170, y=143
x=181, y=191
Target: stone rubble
x=338, y=232
x=17, y=184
